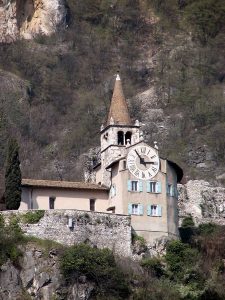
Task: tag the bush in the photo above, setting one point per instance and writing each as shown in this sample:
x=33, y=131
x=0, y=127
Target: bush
x=32, y=217
x=179, y=257
x=153, y=266
x=187, y=229
x=99, y=266
x=10, y=236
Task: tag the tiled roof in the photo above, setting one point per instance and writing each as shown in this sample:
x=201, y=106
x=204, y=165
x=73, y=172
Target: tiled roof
x=118, y=109
x=62, y=184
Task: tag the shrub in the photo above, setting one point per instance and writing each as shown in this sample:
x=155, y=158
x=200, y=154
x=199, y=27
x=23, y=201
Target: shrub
x=32, y=217
x=179, y=257
x=187, y=229
x=207, y=229
x=153, y=266
x=10, y=236
x=98, y=265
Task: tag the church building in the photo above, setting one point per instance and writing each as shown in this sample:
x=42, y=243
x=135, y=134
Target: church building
x=131, y=179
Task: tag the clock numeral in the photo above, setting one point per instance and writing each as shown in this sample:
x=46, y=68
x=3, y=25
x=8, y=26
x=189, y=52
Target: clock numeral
x=149, y=174
x=131, y=161
x=143, y=175
x=136, y=173
x=132, y=168
x=154, y=169
x=153, y=156
x=143, y=150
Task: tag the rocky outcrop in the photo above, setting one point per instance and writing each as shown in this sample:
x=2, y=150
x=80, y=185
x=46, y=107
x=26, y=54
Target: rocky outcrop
x=201, y=200
x=38, y=277
x=27, y=18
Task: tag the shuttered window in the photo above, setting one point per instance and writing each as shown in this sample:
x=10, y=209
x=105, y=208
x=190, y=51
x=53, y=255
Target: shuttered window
x=135, y=209
x=154, y=187
x=135, y=186
x=154, y=210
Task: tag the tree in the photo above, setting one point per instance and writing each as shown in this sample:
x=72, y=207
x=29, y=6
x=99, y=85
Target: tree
x=12, y=176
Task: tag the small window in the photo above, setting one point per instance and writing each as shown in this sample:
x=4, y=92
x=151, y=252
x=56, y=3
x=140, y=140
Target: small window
x=113, y=191
x=154, y=187
x=92, y=204
x=135, y=209
x=124, y=164
x=154, y=210
x=51, y=202
x=170, y=190
x=134, y=186
x=120, y=137
x=128, y=138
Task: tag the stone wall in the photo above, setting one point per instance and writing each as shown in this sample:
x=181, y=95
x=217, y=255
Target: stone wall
x=97, y=229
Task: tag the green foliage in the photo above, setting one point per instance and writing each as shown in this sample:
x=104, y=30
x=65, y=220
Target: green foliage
x=12, y=176
x=179, y=256
x=153, y=266
x=207, y=229
x=98, y=266
x=10, y=236
x=187, y=222
x=187, y=229
x=32, y=217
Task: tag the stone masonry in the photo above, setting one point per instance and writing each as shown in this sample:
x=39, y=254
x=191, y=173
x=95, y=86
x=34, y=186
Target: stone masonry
x=100, y=230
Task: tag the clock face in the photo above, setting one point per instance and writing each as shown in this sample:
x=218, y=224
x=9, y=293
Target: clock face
x=143, y=162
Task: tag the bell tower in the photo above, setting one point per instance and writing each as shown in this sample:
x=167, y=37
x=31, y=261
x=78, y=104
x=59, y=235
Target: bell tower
x=118, y=133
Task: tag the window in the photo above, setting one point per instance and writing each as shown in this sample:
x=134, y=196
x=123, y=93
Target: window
x=135, y=209
x=154, y=187
x=154, y=210
x=124, y=164
x=128, y=138
x=92, y=204
x=51, y=202
x=120, y=136
x=113, y=191
x=170, y=190
x=135, y=186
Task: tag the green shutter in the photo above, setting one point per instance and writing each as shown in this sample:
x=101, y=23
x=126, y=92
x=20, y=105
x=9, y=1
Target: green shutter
x=141, y=209
x=129, y=209
x=129, y=185
x=140, y=186
x=148, y=186
x=159, y=208
x=158, y=187
x=149, y=211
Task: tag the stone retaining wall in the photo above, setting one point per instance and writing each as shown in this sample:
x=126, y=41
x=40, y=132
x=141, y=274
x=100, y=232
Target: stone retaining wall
x=98, y=229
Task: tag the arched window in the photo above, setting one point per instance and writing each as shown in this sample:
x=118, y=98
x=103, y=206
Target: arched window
x=120, y=136
x=128, y=137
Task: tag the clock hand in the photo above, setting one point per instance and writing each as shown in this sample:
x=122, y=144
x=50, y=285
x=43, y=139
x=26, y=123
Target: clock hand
x=141, y=158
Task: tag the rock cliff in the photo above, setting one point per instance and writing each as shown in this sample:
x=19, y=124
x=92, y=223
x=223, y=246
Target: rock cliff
x=203, y=201
x=27, y=18
x=38, y=277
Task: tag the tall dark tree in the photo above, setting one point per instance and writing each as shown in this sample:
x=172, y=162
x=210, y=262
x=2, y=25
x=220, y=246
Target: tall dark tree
x=12, y=176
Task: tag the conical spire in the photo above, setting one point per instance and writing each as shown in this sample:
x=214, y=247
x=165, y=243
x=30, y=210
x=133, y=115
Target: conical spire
x=118, y=112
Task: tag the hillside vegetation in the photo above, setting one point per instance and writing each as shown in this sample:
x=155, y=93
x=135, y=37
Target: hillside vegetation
x=192, y=269
x=55, y=91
